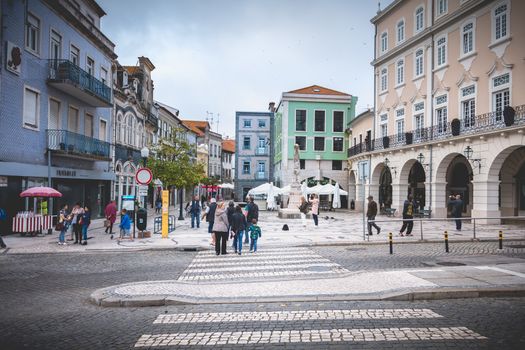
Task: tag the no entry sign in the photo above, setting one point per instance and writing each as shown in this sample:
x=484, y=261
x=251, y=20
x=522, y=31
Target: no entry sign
x=143, y=176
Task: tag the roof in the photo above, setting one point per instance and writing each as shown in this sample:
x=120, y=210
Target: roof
x=228, y=146
x=95, y=6
x=197, y=126
x=132, y=69
x=317, y=90
x=368, y=112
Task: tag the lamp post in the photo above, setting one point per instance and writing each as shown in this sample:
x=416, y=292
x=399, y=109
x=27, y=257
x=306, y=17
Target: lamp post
x=468, y=154
x=144, y=153
x=181, y=216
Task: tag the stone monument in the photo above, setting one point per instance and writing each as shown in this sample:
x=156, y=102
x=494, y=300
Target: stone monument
x=291, y=211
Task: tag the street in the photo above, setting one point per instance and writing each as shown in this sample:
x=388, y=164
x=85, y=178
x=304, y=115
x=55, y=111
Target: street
x=45, y=304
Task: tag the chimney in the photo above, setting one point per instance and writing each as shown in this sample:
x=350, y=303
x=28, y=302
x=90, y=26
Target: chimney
x=271, y=107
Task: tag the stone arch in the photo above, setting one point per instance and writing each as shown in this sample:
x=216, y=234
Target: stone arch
x=502, y=157
x=412, y=178
x=405, y=171
x=352, y=191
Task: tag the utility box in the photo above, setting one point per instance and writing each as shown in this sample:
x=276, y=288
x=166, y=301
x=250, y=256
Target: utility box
x=142, y=219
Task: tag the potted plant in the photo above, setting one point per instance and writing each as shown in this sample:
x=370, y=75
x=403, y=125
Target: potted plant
x=70, y=148
x=386, y=141
x=455, y=125
x=62, y=146
x=409, y=138
x=508, y=115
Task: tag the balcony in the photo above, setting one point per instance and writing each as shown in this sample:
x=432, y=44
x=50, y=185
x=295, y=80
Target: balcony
x=73, y=80
x=483, y=123
x=76, y=145
x=261, y=175
x=125, y=153
x=261, y=151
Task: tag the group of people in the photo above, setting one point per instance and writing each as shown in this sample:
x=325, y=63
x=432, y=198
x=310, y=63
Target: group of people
x=79, y=219
x=227, y=222
x=409, y=206
x=312, y=206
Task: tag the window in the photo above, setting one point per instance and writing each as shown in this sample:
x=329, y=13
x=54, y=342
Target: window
x=337, y=165
x=33, y=34
x=261, y=168
x=419, y=62
x=300, y=120
x=31, y=108
x=90, y=66
x=442, y=7
x=246, y=142
x=318, y=143
x=400, y=72
x=54, y=115
x=301, y=141
x=338, y=121
x=384, y=79
x=500, y=22
x=467, y=38
x=262, y=123
x=72, y=119
x=400, y=130
x=441, y=51
x=74, y=55
x=103, y=75
x=302, y=164
x=384, y=42
x=247, y=123
x=88, y=125
x=420, y=19
x=441, y=114
x=384, y=130
x=501, y=94
x=319, y=121
x=468, y=112
x=400, y=31
x=56, y=45
x=419, y=123
x=102, y=131
x=338, y=144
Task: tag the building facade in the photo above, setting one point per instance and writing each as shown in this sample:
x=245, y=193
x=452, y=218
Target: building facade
x=315, y=118
x=253, y=151
x=55, y=106
x=446, y=75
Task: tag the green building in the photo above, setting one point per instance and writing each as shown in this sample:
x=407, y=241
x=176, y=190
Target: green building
x=315, y=118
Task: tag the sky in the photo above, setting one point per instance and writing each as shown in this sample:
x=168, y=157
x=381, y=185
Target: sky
x=216, y=57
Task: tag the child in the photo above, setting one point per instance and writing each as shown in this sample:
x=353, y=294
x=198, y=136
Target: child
x=125, y=225
x=255, y=233
x=86, y=221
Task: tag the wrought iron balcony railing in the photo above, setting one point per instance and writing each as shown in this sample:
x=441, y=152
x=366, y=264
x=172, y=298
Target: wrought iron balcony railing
x=261, y=151
x=125, y=153
x=71, y=143
x=261, y=175
x=473, y=125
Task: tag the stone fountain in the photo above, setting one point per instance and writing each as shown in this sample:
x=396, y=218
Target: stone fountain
x=291, y=211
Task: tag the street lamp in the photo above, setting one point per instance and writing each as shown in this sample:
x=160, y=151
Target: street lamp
x=144, y=153
x=386, y=162
x=468, y=152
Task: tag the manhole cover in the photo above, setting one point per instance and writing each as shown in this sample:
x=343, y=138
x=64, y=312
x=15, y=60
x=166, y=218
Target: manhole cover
x=319, y=268
x=517, y=246
x=450, y=263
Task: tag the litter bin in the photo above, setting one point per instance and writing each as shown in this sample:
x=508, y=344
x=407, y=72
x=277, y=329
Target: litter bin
x=142, y=219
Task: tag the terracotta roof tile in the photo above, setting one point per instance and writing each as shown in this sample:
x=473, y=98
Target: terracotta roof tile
x=317, y=90
x=196, y=126
x=228, y=146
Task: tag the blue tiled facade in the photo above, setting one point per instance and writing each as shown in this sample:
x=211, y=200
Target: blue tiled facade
x=79, y=163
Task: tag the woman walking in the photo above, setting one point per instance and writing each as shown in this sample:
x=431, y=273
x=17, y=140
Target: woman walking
x=238, y=225
x=315, y=209
x=86, y=221
x=220, y=229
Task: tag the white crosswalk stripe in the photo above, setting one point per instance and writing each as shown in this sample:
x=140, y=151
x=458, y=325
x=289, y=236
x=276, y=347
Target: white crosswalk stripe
x=271, y=262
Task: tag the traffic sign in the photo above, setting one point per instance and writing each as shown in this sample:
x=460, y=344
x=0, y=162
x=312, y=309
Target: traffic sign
x=143, y=176
x=143, y=190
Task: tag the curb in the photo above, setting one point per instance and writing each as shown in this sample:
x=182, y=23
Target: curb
x=100, y=298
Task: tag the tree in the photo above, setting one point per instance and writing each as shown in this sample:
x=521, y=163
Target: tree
x=174, y=161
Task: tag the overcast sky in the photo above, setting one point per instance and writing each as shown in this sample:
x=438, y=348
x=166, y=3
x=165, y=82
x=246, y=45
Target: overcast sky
x=222, y=56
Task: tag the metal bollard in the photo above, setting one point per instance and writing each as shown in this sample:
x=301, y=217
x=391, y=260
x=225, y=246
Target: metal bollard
x=390, y=243
x=500, y=239
x=446, y=241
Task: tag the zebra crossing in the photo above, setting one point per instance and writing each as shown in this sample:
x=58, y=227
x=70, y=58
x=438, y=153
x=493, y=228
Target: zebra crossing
x=293, y=331
x=270, y=262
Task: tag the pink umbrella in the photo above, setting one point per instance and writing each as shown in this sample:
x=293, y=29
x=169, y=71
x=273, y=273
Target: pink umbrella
x=40, y=192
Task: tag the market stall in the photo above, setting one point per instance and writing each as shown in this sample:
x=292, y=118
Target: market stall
x=37, y=220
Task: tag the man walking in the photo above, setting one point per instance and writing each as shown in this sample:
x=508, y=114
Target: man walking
x=457, y=209
x=210, y=217
x=111, y=215
x=253, y=213
x=371, y=213
x=408, y=216
x=195, y=212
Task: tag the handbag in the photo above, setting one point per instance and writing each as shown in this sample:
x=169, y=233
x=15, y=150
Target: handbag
x=59, y=226
x=107, y=223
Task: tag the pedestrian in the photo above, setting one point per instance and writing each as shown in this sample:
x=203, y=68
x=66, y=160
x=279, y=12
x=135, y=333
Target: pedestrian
x=229, y=212
x=255, y=234
x=238, y=227
x=457, y=209
x=158, y=205
x=303, y=208
x=408, y=216
x=195, y=212
x=371, y=213
x=220, y=229
x=111, y=216
x=315, y=208
x=64, y=220
x=125, y=224
x=3, y=219
x=77, y=213
x=210, y=218
x=253, y=213
x=86, y=221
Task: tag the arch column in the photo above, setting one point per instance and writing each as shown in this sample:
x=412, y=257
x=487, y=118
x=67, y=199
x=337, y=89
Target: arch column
x=428, y=185
x=398, y=196
x=439, y=199
x=485, y=200
x=361, y=191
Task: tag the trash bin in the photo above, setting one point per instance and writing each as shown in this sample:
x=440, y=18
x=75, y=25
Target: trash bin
x=142, y=219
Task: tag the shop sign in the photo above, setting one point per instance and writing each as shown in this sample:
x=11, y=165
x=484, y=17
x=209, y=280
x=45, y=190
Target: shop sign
x=66, y=172
x=143, y=190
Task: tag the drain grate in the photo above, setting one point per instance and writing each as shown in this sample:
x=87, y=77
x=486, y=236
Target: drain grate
x=450, y=263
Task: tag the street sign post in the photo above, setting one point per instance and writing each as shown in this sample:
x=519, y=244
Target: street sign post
x=165, y=203
x=143, y=190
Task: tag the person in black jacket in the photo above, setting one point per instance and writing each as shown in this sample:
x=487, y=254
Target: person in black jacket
x=253, y=213
x=457, y=209
x=238, y=227
x=210, y=217
x=408, y=216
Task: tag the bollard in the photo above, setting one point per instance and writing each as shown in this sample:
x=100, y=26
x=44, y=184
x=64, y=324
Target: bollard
x=446, y=241
x=390, y=243
x=500, y=239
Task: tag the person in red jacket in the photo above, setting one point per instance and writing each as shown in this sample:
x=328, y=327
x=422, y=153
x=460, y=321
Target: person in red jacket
x=111, y=215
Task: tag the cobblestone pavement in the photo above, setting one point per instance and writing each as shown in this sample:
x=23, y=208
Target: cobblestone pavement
x=44, y=306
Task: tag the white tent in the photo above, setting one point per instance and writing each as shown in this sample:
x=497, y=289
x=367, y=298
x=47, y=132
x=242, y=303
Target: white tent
x=270, y=200
x=263, y=190
x=230, y=186
x=286, y=189
x=336, y=203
